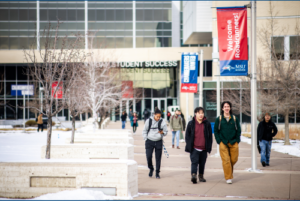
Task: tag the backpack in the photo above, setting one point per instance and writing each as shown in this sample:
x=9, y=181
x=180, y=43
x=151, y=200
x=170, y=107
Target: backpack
x=220, y=118
x=150, y=124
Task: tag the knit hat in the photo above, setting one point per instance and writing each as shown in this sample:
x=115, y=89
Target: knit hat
x=267, y=113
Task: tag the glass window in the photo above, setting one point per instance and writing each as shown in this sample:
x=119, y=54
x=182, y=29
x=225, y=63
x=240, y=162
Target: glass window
x=149, y=42
x=80, y=15
x=277, y=48
x=159, y=89
x=148, y=15
x=4, y=25
x=208, y=72
x=128, y=25
x=167, y=42
x=139, y=42
x=110, y=42
x=167, y=15
x=52, y=15
x=138, y=75
x=62, y=15
x=92, y=15
x=10, y=72
x=209, y=85
x=4, y=43
x=172, y=88
x=147, y=88
x=147, y=73
x=139, y=15
x=14, y=14
x=14, y=43
x=23, y=43
x=159, y=73
x=23, y=14
x=294, y=47
x=120, y=15
x=280, y=118
x=128, y=42
x=157, y=15
x=71, y=15
x=4, y=14
x=43, y=15
x=11, y=109
x=119, y=42
x=21, y=72
x=100, y=15
x=210, y=104
x=128, y=15
x=110, y=15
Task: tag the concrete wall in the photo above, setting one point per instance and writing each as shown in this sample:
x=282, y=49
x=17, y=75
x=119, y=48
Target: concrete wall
x=33, y=179
x=90, y=151
x=101, y=140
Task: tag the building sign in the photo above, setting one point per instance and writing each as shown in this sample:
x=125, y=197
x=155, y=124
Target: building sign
x=139, y=64
x=20, y=90
x=189, y=72
x=233, y=43
x=59, y=91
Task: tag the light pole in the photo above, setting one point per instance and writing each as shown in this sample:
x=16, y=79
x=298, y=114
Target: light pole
x=41, y=92
x=201, y=79
x=253, y=88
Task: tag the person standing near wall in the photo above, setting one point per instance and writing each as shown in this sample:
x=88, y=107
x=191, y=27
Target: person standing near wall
x=176, y=127
x=265, y=132
x=227, y=133
x=183, y=125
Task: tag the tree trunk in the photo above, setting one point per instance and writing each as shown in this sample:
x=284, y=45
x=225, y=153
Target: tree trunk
x=73, y=129
x=287, y=130
x=49, y=132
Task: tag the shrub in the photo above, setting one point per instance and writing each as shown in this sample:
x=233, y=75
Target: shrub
x=30, y=123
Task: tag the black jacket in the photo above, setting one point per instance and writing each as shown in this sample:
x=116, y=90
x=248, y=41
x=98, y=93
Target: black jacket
x=183, y=121
x=123, y=117
x=266, y=131
x=190, y=136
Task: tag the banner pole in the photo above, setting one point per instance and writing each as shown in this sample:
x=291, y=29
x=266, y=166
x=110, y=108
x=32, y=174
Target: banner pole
x=201, y=80
x=253, y=87
x=187, y=106
x=218, y=102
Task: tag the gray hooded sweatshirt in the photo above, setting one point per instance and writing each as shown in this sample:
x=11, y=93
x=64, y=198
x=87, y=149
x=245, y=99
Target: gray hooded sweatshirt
x=153, y=134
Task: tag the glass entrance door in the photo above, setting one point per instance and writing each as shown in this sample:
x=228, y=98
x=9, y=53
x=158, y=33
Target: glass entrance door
x=161, y=104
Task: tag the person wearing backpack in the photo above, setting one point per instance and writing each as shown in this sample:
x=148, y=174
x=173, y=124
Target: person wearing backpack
x=134, y=122
x=227, y=133
x=154, y=130
x=146, y=114
x=198, y=137
x=176, y=127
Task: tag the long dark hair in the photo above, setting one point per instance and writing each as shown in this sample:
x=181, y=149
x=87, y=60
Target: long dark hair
x=222, y=105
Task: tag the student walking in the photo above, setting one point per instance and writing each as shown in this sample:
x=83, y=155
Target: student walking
x=198, y=137
x=134, y=122
x=154, y=130
x=40, y=122
x=227, y=133
x=183, y=125
x=123, y=119
x=265, y=132
x=176, y=127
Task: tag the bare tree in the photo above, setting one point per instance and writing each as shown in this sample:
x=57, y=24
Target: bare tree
x=76, y=104
x=54, y=67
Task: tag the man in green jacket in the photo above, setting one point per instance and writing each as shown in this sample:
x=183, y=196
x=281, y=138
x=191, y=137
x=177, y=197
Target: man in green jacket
x=227, y=133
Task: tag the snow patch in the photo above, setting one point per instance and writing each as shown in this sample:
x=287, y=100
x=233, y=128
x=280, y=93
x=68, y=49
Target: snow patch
x=278, y=145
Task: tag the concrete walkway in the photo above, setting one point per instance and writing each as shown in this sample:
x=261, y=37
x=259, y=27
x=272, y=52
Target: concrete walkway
x=281, y=180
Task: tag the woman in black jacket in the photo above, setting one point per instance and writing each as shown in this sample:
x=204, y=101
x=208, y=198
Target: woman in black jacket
x=198, y=138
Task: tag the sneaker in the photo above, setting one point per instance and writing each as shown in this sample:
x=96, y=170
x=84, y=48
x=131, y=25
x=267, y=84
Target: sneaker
x=151, y=173
x=201, y=178
x=263, y=164
x=229, y=181
x=157, y=176
x=178, y=148
x=172, y=146
x=267, y=164
x=194, y=178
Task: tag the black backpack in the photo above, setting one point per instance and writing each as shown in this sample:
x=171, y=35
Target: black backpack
x=150, y=124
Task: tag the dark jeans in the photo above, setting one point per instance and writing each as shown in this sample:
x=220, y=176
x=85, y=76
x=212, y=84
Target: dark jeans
x=40, y=126
x=198, y=158
x=265, y=153
x=134, y=127
x=150, y=146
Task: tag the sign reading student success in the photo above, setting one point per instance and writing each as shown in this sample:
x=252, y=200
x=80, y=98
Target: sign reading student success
x=233, y=43
x=189, y=72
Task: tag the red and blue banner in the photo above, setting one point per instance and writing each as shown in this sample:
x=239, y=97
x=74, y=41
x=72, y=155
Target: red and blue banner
x=233, y=43
x=189, y=72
